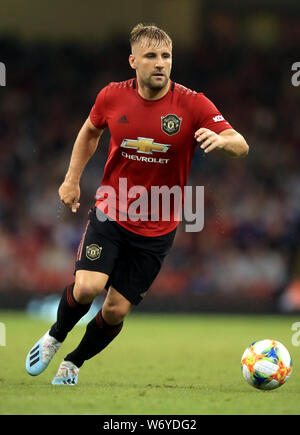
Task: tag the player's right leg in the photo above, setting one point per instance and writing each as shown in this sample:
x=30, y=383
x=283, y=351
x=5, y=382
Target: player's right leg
x=96, y=255
x=74, y=304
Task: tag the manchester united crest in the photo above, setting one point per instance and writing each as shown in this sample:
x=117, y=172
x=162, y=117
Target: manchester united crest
x=170, y=124
x=93, y=252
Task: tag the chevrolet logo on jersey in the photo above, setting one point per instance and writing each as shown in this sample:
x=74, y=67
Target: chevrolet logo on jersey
x=144, y=145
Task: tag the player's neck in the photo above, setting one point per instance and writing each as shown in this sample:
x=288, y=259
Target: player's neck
x=153, y=94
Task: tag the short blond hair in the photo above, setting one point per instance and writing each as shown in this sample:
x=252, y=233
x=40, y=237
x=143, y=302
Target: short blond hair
x=151, y=32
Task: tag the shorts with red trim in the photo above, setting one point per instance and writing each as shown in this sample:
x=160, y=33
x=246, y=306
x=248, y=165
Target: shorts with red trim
x=130, y=260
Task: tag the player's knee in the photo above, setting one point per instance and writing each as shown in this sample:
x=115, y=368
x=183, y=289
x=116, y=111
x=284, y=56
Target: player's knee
x=114, y=313
x=85, y=293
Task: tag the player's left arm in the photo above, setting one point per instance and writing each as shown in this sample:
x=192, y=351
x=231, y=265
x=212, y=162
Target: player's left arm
x=229, y=141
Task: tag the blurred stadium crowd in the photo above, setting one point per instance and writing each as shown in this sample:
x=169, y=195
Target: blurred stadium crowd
x=249, y=245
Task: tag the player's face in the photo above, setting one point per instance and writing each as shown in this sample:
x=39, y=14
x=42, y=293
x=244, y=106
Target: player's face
x=152, y=63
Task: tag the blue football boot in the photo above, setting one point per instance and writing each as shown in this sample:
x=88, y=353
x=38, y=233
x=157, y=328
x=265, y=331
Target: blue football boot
x=41, y=354
x=67, y=374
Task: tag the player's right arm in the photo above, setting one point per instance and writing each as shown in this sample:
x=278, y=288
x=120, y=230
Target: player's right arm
x=85, y=146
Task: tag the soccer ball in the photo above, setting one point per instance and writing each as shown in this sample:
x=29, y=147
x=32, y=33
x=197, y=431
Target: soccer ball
x=266, y=364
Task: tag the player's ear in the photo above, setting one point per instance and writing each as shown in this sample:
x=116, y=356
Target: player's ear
x=132, y=61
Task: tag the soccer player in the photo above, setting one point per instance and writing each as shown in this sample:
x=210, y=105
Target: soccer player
x=156, y=126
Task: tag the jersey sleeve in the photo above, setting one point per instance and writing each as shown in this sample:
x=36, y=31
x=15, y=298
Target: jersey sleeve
x=208, y=116
x=98, y=112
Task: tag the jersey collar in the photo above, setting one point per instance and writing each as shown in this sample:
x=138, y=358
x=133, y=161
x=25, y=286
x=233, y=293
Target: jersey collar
x=171, y=89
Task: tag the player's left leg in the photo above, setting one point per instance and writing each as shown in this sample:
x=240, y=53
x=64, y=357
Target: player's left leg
x=100, y=331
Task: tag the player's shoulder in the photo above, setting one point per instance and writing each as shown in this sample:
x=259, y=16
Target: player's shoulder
x=125, y=84
x=184, y=91
x=189, y=98
x=113, y=91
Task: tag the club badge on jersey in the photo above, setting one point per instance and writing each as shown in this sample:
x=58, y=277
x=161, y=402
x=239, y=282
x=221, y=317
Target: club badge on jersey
x=170, y=124
x=93, y=252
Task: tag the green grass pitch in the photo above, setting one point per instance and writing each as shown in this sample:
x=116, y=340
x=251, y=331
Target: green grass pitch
x=166, y=364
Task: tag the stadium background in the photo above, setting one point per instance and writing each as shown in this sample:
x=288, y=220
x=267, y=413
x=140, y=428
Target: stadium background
x=58, y=56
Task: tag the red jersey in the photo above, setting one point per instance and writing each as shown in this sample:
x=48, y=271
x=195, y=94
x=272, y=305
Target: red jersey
x=152, y=144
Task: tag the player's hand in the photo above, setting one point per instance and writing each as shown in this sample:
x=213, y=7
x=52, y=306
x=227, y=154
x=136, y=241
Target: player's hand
x=209, y=140
x=69, y=193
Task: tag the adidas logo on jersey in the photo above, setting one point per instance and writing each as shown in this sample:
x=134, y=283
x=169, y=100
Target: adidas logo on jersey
x=123, y=120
